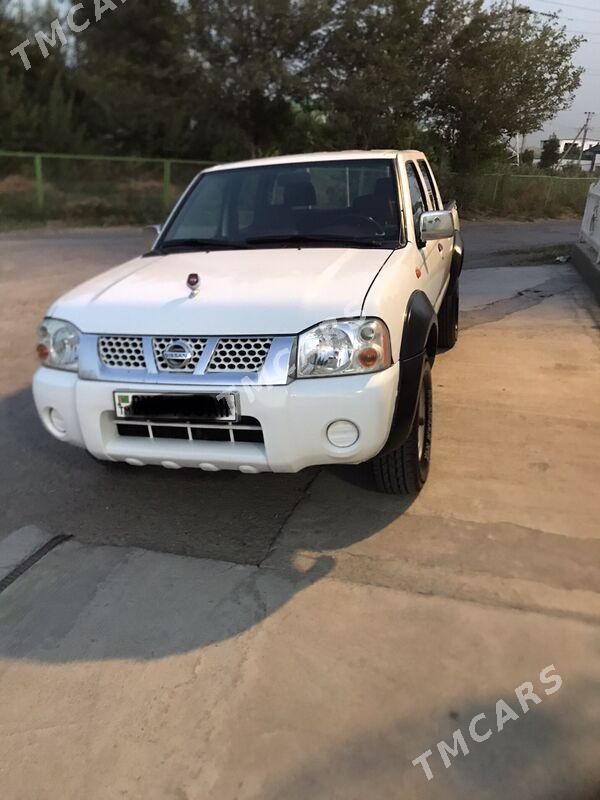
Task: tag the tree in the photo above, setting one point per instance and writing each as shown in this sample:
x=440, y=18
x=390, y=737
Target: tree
x=39, y=108
x=248, y=58
x=225, y=79
x=132, y=68
x=550, y=153
x=527, y=157
x=367, y=72
x=495, y=74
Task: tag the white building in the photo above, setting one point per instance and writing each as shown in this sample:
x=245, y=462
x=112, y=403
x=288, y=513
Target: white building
x=591, y=154
x=566, y=143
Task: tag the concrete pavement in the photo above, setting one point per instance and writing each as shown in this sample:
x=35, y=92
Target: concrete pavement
x=324, y=636
x=126, y=673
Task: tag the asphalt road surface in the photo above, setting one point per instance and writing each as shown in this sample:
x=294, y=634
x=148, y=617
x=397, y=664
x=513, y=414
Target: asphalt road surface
x=322, y=636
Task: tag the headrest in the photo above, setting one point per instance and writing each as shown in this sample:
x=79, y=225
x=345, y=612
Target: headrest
x=300, y=193
x=384, y=188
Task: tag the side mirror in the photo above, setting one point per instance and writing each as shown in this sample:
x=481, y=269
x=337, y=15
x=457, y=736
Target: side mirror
x=436, y=225
x=151, y=234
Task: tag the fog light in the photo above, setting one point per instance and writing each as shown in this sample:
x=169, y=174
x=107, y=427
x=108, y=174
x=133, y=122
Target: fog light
x=342, y=433
x=57, y=421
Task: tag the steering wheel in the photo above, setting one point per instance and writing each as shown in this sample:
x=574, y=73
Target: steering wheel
x=357, y=218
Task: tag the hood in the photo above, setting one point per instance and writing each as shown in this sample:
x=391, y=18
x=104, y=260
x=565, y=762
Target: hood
x=242, y=292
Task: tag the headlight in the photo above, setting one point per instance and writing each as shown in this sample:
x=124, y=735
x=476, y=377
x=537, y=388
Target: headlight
x=344, y=347
x=58, y=344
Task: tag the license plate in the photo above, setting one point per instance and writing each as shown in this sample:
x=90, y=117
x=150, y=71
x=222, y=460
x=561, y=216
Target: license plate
x=202, y=407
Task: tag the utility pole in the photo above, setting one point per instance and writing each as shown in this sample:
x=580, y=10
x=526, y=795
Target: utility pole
x=512, y=11
x=583, y=130
x=519, y=138
x=586, y=127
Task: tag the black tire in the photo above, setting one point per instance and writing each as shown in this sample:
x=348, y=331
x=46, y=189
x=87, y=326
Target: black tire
x=448, y=319
x=403, y=471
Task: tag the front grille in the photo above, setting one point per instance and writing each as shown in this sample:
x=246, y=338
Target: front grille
x=247, y=429
x=240, y=355
x=125, y=352
x=182, y=354
x=195, y=345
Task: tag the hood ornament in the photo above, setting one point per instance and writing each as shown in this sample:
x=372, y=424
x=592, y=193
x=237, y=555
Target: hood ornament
x=193, y=284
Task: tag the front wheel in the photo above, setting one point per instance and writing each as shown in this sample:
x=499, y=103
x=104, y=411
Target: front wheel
x=403, y=471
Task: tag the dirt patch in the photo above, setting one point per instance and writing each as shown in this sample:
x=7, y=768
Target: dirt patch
x=14, y=184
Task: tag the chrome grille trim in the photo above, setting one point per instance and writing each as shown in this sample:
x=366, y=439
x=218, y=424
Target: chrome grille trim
x=195, y=343
x=240, y=354
x=278, y=367
x=123, y=352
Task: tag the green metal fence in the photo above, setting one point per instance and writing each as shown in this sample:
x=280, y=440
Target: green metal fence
x=519, y=196
x=87, y=188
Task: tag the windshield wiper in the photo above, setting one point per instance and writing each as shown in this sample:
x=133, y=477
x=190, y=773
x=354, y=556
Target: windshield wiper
x=202, y=244
x=315, y=238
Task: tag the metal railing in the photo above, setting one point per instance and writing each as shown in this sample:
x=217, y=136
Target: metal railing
x=88, y=189
x=519, y=195
x=40, y=160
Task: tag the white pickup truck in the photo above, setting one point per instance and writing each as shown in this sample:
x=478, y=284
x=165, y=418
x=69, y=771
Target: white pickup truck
x=288, y=315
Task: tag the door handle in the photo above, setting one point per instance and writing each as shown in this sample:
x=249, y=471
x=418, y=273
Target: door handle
x=440, y=247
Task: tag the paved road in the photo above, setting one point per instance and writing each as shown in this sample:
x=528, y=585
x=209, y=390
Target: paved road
x=495, y=243
x=325, y=635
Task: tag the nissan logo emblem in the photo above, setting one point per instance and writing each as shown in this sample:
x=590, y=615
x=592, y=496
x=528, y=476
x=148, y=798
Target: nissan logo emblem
x=178, y=355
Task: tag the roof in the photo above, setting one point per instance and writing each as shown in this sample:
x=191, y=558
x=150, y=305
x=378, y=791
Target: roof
x=337, y=155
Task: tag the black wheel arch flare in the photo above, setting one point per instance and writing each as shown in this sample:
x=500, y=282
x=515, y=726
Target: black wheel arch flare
x=458, y=257
x=419, y=344
x=420, y=325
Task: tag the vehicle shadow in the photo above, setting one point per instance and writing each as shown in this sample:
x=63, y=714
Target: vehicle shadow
x=236, y=521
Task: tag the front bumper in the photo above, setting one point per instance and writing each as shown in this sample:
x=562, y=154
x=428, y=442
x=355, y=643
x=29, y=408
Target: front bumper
x=294, y=419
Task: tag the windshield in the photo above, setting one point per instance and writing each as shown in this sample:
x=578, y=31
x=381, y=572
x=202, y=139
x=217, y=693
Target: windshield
x=329, y=203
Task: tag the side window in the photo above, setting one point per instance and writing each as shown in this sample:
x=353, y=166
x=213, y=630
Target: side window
x=434, y=204
x=417, y=193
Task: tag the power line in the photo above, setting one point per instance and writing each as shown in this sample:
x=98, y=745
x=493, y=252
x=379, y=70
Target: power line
x=556, y=19
x=578, y=19
x=569, y=5
x=556, y=16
